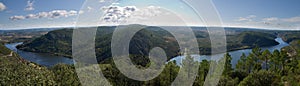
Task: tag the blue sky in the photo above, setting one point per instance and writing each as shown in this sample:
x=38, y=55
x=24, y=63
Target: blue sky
x=268, y=14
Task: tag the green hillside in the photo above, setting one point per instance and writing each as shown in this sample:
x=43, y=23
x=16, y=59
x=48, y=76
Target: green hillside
x=16, y=71
x=250, y=40
x=56, y=42
x=289, y=36
x=59, y=42
x=4, y=50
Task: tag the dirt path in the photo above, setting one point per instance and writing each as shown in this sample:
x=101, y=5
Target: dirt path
x=11, y=54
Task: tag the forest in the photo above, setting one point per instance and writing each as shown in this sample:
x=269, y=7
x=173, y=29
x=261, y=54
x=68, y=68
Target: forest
x=260, y=68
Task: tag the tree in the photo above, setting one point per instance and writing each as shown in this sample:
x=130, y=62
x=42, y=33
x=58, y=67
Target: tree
x=282, y=59
x=189, y=63
x=266, y=55
x=228, y=66
x=65, y=75
x=261, y=78
x=252, y=62
x=202, y=73
x=275, y=60
x=241, y=65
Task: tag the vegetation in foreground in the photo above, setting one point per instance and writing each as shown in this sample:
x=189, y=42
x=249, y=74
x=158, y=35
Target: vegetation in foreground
x=16, y=71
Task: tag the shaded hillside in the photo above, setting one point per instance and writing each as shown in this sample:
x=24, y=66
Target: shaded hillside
x=250, y=40
x=59, y=42
x=294, y=48
x=289, y=36
x=242, y=40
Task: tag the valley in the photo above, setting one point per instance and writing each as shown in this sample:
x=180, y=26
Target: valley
x=47, y=58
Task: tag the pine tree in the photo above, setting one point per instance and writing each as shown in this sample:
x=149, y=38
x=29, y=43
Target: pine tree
x=266, y=55
x=228, y=66
x=241, y=65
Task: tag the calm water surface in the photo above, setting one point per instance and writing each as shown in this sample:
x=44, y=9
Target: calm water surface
x=234, y=54
x=44, y=59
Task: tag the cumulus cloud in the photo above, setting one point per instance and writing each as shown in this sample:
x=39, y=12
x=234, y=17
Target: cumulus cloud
x=131, y=13
x=51, y=14
x=2, y=6
x=29, y=5
x=17, y=18
x=117, y=13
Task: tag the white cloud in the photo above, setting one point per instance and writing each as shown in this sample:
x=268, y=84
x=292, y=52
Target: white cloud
x=51, y=14
x=271, y=19
x=292, y=19
x=242, y=19
x=101, y=1
x=17, y=18
x=117, y=13
x=248, y=18
x=269, y=22
x=81, y=12
x=29, y=5
x=2, y=6
x=131, y=14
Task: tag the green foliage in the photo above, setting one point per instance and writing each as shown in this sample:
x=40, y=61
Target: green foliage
x=202, y=73
x=16, y=71
x=59, y=41
x=241, y=65
x=4, y=50
x=250, y=40
x=228, y=66
x=261, y=78
x=65, y=75
x=282, y=67
x=290, y=36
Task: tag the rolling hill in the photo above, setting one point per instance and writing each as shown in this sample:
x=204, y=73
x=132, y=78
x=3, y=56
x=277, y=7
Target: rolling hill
x=59, y=42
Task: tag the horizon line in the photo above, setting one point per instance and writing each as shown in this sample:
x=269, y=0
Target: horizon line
x=72, y=27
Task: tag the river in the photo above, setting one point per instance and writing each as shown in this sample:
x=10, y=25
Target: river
x=43, y=59
x=49, y=60
x=234, y=54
